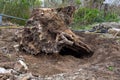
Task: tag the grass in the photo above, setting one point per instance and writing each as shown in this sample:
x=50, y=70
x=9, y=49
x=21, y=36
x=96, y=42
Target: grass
x=85, y=18
x=111, y=68
x=17, y=8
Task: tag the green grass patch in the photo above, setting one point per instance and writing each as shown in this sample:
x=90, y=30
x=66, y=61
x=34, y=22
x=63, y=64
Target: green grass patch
x=18, y=8
x=111, y=68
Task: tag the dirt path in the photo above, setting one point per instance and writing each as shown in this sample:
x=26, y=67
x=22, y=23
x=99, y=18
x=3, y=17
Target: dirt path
x=103, y=65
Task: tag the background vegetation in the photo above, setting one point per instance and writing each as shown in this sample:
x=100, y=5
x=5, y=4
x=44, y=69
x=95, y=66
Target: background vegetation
x=88, y=11
x=87, y=16
x=18, y=8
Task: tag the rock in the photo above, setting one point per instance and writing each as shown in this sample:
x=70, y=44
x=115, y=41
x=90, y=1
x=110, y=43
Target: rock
x=6, y=74
x=4, y=71
x=114, y=31
x=110, y=24
x=7, y=77
x=4, y=50
x=105, y=27
x=26, y=76
x=20, y=66
x=16, y=47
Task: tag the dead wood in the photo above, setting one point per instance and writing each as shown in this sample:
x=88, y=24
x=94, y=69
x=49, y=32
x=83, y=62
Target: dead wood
x=49, y=33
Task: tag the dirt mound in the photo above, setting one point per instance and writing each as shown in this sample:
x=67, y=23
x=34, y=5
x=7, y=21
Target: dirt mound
x=103, y=65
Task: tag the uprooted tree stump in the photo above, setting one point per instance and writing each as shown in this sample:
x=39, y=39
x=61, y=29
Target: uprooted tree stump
x=48, y=33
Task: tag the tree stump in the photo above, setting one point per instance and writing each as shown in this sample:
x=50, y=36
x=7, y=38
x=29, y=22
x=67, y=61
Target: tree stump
x=48, y=33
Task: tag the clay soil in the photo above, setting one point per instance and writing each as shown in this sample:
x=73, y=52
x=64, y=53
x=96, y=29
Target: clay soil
x=103, y=65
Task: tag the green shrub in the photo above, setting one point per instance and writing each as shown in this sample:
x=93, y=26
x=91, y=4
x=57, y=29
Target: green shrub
x=17, y=8
x=111, y=17
x=78, y=2
x=86, y=16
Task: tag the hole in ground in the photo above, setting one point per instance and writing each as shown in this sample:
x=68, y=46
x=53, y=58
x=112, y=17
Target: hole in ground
x=80, y=54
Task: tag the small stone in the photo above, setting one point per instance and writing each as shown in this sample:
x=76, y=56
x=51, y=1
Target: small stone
x=16, y=47
x=20, y=66
x=4, y=71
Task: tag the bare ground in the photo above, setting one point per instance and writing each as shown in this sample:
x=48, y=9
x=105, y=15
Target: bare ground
x=103, y=65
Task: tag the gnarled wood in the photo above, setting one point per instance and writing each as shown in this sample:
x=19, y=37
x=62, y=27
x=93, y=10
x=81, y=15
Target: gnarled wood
x=50, y=34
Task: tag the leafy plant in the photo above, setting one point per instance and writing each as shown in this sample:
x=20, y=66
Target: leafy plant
x=78, y=2
x=87, y=16
x=111, y=68
x=18, y=8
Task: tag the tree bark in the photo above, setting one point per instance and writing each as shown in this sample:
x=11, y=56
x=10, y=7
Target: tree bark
x=49, y=33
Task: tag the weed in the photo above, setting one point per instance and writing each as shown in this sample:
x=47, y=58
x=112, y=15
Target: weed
x=111, y=68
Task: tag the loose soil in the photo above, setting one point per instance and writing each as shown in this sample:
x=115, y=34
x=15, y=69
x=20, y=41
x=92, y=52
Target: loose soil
x=103, y=65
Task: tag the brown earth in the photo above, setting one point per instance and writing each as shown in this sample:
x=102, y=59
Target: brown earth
x=103, y=65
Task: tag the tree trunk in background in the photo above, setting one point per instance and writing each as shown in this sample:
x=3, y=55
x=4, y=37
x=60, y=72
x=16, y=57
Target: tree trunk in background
x=105, y=9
